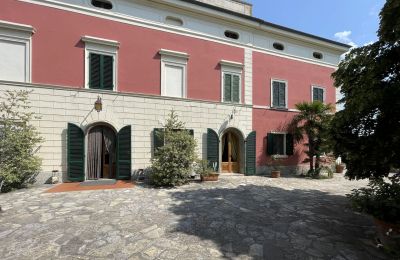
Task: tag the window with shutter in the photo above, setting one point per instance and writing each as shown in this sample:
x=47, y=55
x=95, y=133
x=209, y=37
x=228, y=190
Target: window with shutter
x=280, y=144
x=318, y=94
x=231, y=87
x=101, y=71
x=278, y=94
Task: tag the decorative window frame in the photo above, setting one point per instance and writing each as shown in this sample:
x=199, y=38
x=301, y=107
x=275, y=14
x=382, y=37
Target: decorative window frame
x=284, y=155
x=103, y=47
x=176, y=59
x=272, y=93
x=232, y=68
x=318, y=87
x=21, y=34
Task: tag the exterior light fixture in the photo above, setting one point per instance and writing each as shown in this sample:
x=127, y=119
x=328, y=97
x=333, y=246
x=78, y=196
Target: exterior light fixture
x=98, y=105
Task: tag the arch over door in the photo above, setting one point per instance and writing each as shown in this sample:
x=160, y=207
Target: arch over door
x=124, y=153
x=212, y=148
x=251, y=153
x=75, y=153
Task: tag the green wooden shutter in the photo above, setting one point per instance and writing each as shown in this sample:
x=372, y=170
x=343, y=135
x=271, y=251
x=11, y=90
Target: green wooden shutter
x=108, y=69
x=124, y=153
x=289, y=144
x=275, y=94
x=236, y=89
x=227, y=87
x=251, y=153
x=94, y=71
x=212, y=148
x=270, y=144
x=75, y=153
x=158, y=139
x=282, y=94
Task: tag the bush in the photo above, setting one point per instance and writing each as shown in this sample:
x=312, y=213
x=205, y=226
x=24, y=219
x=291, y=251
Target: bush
x=173, y=163
x=18, y=140
x=380, y=199
x=203, y=169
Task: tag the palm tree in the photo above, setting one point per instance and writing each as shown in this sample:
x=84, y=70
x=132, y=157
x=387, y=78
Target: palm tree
x=312, y=122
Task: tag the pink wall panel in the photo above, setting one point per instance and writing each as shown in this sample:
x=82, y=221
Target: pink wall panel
x=300, y=77
x=265, y=121
x=58, y=53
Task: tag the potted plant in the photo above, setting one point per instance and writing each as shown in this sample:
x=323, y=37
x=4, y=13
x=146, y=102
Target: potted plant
x=276, y=166
x=339, y=166
x=206, y=173
x=381, y=199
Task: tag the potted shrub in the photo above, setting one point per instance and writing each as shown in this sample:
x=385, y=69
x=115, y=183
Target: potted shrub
x=276, y=166
x=206, y=173
x=339, y=166
x=381, y=199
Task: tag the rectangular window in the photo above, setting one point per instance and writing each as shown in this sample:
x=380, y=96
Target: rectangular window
x=279, y=94
x=318, y=94
x=101, y=71
x=174, y=80
x=231, y=88
x=280, y=144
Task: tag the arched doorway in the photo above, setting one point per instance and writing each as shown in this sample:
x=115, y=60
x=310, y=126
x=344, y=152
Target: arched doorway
x=231, y=151
x=101, y=152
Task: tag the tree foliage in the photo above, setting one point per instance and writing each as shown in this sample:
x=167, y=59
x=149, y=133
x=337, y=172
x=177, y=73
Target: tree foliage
x=18, y=140
x=367, y=132
x=173, y=163
x=312, y=123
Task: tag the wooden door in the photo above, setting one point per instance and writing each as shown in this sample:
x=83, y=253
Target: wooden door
x=229, y=165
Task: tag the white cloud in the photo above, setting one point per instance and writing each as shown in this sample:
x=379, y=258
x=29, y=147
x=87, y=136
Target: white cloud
x=345, y=38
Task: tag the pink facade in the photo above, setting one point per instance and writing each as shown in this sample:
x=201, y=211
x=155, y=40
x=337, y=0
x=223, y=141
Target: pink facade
x=58, y=58
x=58, y=52
x=300, y=76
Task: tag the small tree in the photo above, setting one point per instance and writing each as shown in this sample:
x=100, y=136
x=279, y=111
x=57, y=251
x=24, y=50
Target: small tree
x=173, y=163
x=18, y=139
x=312, y=122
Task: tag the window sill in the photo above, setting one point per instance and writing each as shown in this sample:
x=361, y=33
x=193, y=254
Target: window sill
x=280, y=108
x=281, y=156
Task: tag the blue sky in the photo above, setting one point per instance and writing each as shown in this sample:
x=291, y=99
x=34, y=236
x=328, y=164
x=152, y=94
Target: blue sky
x=354, y=22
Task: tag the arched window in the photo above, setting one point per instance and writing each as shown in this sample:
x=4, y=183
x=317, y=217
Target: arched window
x=173, y=21
x=318, y=55
x=278, y=46
x=102, y=4
x=232, y=35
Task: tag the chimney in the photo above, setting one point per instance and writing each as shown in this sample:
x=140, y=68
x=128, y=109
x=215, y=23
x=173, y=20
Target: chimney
x=237, y=6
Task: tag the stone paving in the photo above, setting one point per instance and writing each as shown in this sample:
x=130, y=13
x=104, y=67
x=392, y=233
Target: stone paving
x=236, y=218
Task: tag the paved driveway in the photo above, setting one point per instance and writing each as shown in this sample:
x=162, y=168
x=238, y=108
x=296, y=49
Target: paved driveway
x=238, y=217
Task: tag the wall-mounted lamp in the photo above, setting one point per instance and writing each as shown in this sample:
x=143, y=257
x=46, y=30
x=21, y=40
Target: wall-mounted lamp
x=233, y=113
x=98, y=105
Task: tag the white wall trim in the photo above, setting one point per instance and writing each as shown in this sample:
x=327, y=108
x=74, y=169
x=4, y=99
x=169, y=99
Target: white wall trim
x=318, y=87
x=105, y=14
x=272, y=92
x=100, y=41
x=234, y=64
x=103, y=47
x=176, y=54
x=17, y=26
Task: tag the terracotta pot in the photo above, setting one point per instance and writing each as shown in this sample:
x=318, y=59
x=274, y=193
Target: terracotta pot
x=275, y=174
x=210, y=177
x=388, y=234
x=339, y=168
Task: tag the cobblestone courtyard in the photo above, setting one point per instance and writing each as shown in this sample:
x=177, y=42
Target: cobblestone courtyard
x=238, y=217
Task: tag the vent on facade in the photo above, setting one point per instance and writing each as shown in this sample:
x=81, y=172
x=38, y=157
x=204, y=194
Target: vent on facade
x=318, y=55
x=278, y=46
x=173, y=21
x=102, y=4
x=232, y=35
